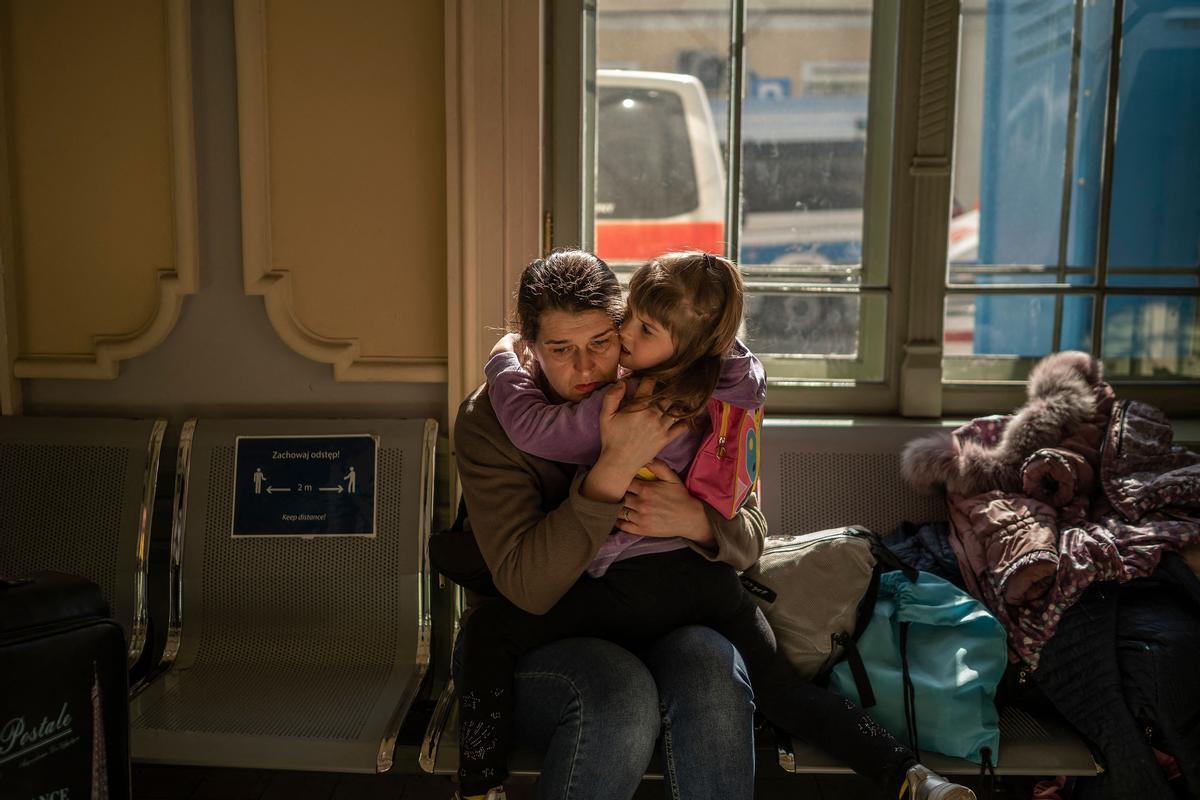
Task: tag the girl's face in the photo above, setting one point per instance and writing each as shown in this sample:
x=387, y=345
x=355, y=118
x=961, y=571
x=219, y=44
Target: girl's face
x=577, y=352
x=645, y=343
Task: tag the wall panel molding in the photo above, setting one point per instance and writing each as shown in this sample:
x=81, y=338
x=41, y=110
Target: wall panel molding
x=494, y=149
x=94, y=209
x=10, y=386
x=387, y=336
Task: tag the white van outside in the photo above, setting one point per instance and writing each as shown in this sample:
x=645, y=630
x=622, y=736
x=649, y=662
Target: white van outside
x=660, y=179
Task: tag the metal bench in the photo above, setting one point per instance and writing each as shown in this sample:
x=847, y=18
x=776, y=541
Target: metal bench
x=819, y=474
x=291, y=652
x=78, y=497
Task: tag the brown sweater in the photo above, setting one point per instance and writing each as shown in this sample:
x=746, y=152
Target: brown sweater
x=536, y=532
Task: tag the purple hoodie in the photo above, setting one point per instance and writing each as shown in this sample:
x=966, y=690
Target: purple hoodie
x=570, y=432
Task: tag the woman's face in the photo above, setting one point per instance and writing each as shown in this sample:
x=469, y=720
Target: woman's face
x=577, y=352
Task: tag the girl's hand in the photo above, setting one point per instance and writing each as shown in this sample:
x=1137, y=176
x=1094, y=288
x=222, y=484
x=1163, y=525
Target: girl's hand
x=628, y=439
x=663, y=508
x=509, y=343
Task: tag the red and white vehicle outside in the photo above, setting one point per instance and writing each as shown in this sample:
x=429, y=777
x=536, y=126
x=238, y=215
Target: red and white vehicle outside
x=660, y=179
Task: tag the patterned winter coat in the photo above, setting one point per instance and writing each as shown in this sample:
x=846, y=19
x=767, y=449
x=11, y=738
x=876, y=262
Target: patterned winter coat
x=1075, y=488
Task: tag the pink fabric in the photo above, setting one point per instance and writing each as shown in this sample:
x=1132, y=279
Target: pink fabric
x=1057, y=476
x=1028, y=558
x=1051, y=789
x=1170, y=766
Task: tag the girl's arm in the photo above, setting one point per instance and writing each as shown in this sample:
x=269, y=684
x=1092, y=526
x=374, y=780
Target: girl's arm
x=565, y=432
x=743, y=381
x=570, y=432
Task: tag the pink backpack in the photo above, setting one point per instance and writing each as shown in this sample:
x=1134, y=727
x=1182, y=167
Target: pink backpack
x=725, y=469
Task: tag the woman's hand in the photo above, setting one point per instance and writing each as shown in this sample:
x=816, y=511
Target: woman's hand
x=664, y=508
x=627, y=442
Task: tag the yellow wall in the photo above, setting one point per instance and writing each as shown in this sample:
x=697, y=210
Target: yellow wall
x=102, y=179
x=90, y=166
x=356, y=121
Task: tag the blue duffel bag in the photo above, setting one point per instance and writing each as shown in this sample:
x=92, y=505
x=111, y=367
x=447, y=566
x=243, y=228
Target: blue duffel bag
x=928, y=663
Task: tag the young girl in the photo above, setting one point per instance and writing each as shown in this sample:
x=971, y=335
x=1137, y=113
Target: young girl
x=680, y=330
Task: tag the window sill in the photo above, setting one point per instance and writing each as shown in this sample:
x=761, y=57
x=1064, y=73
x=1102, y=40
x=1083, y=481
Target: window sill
x=1187, y=430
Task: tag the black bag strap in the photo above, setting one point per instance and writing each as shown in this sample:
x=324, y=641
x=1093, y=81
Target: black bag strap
x=910, y=693
x=858, y=671
x=460, y=519
x=987, y=775
x=885, y=561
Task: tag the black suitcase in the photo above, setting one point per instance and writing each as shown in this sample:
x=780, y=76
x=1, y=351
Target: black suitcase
x=64, y=692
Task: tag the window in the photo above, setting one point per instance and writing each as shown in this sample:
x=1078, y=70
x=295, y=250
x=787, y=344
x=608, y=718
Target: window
x=836, y=77
x=663, y=154
x=1072, y=187
x=1076, y=218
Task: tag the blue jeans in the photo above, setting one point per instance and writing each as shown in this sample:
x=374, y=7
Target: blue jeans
x=597, y=711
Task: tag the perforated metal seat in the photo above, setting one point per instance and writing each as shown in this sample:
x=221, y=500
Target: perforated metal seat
x=78, y=497
x=1029, y=745
x=299, y=653
x=823, y=474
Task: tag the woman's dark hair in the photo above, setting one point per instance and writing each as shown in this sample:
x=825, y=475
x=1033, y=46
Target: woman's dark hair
x=566, y=280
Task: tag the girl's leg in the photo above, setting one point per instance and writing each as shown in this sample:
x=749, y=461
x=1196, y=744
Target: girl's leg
x=591, y=706
x=807, y=711
x=707, y=708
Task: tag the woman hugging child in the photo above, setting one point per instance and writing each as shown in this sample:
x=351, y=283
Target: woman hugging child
x=678, y=341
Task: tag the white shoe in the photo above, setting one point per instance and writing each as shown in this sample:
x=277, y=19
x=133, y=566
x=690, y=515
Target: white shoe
x=494, y=793
x=925, y=784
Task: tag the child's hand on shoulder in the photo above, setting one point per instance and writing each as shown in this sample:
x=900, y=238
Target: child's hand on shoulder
x=509, y=343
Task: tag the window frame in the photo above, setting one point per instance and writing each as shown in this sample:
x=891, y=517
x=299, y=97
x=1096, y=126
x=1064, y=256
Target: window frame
x=912, y=100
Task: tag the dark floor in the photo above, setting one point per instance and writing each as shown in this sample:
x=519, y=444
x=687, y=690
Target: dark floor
x=153, y=782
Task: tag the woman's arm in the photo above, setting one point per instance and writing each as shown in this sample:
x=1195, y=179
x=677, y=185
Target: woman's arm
x=536, y=554
x=570, y=432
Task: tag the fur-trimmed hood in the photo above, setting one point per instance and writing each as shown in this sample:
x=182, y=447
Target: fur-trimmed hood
x=1065, y=391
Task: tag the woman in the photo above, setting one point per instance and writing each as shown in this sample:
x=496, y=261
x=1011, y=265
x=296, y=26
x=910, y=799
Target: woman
x=595, y=708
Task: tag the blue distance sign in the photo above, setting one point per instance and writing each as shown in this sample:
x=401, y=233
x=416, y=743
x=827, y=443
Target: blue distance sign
x=305, y=485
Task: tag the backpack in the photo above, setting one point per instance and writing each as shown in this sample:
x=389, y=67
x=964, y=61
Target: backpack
x=725, y=469
x=933, y=657
x=455, y=554
x=817, y=591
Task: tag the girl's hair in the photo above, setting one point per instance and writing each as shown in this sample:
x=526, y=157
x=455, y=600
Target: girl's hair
x=697, y=297
x=566, y=280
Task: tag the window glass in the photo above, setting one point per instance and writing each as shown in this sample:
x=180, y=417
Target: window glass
x=1156, y=166
x=655, y=176
x=1021, y=326
x=804, y=124
x=1151, y=337
x=660, y=176
x=663, y=151
x=1035, y=133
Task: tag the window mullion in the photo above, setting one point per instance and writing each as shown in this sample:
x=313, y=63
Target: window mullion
x=1068, y=171
x=733, y=150
x=926, y=240
x=1106, y=177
